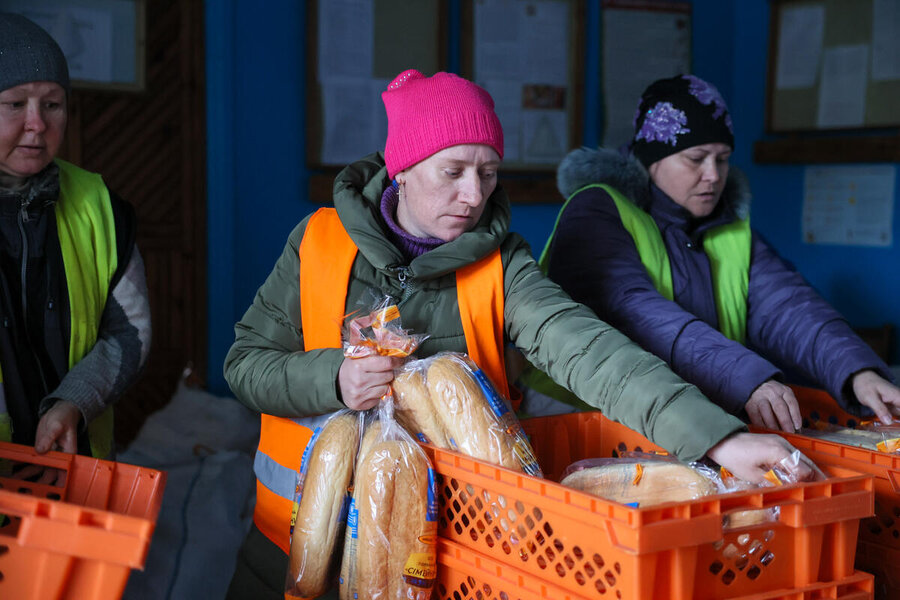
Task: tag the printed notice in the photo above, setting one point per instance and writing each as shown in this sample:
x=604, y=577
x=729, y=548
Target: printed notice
x=842, y=91
x=799, y=46
x=521, y=57
x=639, y=46
x=885, y=40
x=849, y=205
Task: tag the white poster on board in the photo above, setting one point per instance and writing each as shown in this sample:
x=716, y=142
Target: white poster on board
x=639, y=46
x=521, y=57
x=849, y=205
x=800, y=38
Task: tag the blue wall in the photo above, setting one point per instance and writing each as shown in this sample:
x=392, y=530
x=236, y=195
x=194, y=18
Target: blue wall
x=257, y=177
x=863, y=283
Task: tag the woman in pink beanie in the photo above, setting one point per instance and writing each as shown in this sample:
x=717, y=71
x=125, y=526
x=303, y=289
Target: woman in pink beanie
x=427, y=224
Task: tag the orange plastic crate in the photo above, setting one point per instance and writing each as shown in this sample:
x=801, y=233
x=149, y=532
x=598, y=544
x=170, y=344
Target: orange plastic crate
x=882, y=530
x=884, y=564
x=78, y=540
x=589, y=546
x=465, y=575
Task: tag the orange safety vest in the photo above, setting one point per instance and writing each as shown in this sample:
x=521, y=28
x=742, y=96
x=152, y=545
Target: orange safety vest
x=323, y=296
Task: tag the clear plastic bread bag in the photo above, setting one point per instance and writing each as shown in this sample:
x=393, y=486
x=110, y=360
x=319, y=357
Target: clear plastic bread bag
x=393, y=517
x=321, y=500
x=863, y=437
x=377, y=330
x=641, y=479
x=889, y=435
x=447, y=401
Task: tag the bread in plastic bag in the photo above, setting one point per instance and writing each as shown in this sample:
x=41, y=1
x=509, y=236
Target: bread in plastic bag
x=394, y=518
x=320, y=507
x=640, y=480
x=446, y=400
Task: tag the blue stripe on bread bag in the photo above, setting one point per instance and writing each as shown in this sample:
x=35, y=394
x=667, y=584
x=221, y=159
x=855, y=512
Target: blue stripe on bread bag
x=301, y=477
x=431, y=512
x=508, y=421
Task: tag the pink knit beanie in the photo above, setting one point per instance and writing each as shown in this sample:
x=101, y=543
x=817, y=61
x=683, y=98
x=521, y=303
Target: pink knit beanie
x=427, y=114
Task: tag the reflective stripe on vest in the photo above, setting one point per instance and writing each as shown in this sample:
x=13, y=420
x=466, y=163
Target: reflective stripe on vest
x=87, y=239
x=323, y=297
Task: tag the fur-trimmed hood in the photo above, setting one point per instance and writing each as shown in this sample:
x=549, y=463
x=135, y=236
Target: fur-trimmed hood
x=586, y=166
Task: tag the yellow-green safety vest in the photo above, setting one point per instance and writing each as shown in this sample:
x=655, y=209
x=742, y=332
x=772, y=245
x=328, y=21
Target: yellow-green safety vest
x=87, y=238
x=727, y=247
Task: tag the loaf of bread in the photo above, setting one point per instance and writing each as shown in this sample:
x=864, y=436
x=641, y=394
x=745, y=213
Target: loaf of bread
x=646, y=483
x=318, y=526
x=414, y=410
x=347, y=579
x=396, y=553
x=860, y=438
x=444, y=402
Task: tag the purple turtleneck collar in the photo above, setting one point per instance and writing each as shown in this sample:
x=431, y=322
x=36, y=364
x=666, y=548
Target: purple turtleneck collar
x=410, y=245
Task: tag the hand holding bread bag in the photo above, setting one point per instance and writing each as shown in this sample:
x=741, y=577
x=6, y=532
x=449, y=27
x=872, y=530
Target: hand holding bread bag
x=322, y=490
x=451, y=403
x=395, y=518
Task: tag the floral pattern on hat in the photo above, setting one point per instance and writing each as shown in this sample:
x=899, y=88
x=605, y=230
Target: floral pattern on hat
x=663, y=123
x=706, y=93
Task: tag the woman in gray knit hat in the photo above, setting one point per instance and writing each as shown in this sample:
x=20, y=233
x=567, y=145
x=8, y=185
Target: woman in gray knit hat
x=73, y=297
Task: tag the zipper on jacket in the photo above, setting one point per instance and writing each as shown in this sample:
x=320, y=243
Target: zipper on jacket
x=23, y=217
x=406, y=283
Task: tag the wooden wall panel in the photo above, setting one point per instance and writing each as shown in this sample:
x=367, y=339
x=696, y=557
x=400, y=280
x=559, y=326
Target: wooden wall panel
x=150, y=148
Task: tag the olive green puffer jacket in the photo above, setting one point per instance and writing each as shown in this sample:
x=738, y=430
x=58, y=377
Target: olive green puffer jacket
x=269, y=372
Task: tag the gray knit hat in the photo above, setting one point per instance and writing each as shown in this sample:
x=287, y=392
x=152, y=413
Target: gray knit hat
x=28, y=53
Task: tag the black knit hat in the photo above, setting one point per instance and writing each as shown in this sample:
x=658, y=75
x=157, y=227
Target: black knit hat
x=678, y=113
x=28, y=53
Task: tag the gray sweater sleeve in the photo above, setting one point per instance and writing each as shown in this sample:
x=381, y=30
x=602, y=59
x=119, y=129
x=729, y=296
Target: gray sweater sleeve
x=115, y=361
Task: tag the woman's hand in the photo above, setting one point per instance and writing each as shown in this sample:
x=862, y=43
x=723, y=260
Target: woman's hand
x=751, y=455
x=872, y=390
x=773, y=405
x=58, y=429
x=364, y=381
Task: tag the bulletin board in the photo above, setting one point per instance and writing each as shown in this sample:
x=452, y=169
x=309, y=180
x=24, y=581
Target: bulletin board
x=356, y=48
x=103, y=40
x=528, y=55
x=643, y=40
x=833, y=65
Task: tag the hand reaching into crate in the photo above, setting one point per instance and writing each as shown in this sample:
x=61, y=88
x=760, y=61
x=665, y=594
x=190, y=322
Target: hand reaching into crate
x=58, y=429
x=877, y=393
x=751, y=455
x=773, y=405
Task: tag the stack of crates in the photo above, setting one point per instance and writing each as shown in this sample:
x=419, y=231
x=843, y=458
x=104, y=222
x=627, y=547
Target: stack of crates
x=878, y=551
x=507, y=536
x=78, y=537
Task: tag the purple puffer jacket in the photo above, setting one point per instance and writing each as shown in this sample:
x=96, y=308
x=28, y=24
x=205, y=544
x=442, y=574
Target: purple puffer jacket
x=789, y=325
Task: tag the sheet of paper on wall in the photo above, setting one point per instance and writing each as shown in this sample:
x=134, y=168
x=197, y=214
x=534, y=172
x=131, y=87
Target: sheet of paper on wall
x=639, y=46
x=800, y=35
x=507, y=97
x=521, y=57
x=885, y=40
x=85, y=36
x=355, y=123
x=849, y=205
x=345, y=44
x=842, y=89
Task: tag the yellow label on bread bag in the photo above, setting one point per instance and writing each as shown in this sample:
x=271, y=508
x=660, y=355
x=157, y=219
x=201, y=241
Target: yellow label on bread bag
x=638, y=473
x=772, y=477
x=892, y=445
x=420, y=569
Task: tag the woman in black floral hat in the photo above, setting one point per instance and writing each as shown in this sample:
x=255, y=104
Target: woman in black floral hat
x=656, y=239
